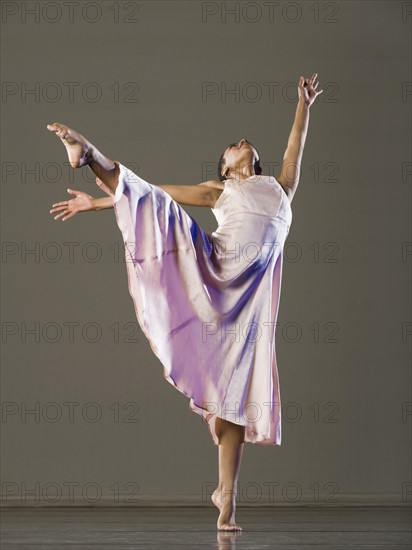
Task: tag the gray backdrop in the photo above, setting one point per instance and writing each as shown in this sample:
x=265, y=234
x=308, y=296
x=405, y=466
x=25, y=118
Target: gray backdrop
x=149, y=83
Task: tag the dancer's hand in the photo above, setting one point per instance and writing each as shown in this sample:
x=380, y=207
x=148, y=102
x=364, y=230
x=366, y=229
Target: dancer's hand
x=307, y=89
x=82, y=203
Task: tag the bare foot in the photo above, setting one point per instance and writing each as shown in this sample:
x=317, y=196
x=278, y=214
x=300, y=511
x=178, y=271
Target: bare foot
x=78, y=148
x=226, y=507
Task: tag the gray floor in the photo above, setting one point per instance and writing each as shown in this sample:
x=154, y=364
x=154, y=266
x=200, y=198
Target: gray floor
x=194, y=528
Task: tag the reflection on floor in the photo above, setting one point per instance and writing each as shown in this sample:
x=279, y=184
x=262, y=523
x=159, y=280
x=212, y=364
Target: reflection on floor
x=194, y=528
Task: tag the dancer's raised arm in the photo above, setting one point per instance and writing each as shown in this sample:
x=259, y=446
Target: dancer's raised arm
x=292, y=158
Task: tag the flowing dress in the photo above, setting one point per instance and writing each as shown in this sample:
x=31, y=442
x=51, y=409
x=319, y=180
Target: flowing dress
x=208, y=303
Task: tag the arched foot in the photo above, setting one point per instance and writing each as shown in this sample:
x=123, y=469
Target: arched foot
x=226, y=506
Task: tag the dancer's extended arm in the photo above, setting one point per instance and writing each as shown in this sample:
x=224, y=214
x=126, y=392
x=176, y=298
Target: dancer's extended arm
x=83, y=202
x=292, y=158
x=103, y=203
x=201, y=194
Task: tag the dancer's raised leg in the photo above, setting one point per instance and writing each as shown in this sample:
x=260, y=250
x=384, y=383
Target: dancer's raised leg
x=81, y=152
x=231, y=443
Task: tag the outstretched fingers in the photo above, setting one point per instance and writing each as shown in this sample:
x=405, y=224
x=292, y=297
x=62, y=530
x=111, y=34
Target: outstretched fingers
x=59, y=206
x=69, y=215
x=64, y=211
x=312, y=84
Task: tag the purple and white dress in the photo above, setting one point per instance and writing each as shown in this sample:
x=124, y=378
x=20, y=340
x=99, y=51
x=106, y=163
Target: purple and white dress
x=208, y=303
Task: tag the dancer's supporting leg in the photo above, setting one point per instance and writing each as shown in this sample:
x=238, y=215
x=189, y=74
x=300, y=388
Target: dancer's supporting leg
x=231, y=442
x=82, y=152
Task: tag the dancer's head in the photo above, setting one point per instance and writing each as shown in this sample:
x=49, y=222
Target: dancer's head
x=239, y=158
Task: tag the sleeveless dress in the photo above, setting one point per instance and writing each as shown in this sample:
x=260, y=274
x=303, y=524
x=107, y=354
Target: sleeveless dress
x=208, y=303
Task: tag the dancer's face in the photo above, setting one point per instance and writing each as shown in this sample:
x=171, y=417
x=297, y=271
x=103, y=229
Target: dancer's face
x=240, y=156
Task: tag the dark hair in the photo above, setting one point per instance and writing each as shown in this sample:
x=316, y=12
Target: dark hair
x=221, y=164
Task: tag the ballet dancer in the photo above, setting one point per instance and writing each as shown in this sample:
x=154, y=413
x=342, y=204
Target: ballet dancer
x=201, y=298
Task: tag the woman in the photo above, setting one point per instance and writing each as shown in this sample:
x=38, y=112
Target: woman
x=208, y=303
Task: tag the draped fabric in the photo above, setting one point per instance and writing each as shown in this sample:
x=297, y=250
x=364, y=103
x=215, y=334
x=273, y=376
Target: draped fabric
x=208, y=302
